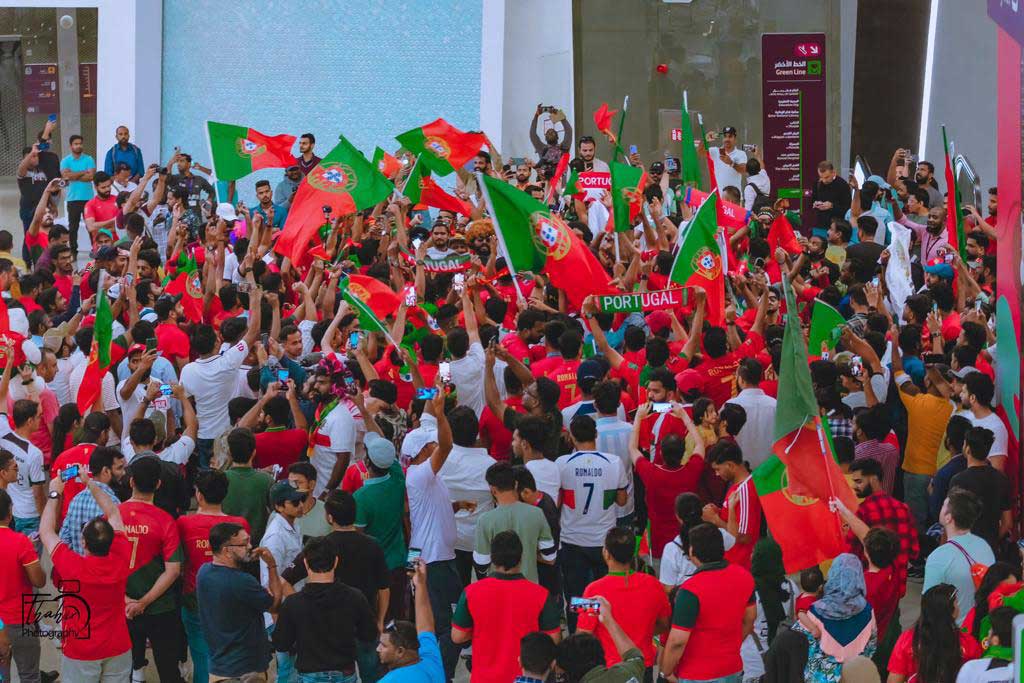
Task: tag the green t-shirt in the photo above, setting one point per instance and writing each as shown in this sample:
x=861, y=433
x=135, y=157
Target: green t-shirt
x=530, y=525
x=313, y=524
x=380, y=507
x=631, y=668
x=249, y=497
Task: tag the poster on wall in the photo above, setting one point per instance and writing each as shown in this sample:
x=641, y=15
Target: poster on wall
x=793, y=114
x=41, y=92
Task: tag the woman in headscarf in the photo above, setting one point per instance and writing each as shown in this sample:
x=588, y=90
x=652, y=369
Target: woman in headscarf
x=840, y=625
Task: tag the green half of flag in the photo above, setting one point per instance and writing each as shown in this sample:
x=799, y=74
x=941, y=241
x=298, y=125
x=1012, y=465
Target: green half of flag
x=826, y=326
x=690, y=162
x=368, y=320
x=627, y=194
x=512, y=211
x=103, y=328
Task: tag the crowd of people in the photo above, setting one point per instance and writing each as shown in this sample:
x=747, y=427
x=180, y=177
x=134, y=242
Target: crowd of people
x=261, y=484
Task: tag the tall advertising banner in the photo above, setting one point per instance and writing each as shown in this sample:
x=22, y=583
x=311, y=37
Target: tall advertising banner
x=794, y=118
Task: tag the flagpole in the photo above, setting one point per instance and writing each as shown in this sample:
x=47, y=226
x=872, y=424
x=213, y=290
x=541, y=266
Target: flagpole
x=497, y=231
x=618, y=138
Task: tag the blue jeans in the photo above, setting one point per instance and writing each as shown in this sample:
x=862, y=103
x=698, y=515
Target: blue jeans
x=204, y=447
x=29, y=526
x=328, y=677
x=915, y=494
x=197, y=646
x=286, y=672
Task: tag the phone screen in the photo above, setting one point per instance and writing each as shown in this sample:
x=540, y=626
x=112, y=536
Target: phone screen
x=151, y=343
x=411, y=557
x=353, y=340
x=282, y=375
x=445, y=370
x=165, y=389
x=661, y=407
x=426, y=393
x=69, y=473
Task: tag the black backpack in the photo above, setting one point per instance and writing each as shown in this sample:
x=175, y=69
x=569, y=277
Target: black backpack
x=761, y=199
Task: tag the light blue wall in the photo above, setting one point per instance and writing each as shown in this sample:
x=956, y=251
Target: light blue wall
x=367, y=68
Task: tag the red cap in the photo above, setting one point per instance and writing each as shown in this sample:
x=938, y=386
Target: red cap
x=658, y=321
x=688, y=380
x=136, y=347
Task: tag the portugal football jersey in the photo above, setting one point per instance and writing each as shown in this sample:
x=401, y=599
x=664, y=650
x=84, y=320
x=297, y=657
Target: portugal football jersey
x=589, y=482
x=154, y=539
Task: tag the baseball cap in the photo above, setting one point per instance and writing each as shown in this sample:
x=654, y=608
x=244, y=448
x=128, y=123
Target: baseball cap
x=729, y=130
x=878, y=180
x=136, y=348
x=657, y=167
x=283, y=492
x=938, y=266
x=689, y=380
x=658, y=321
x=589, y=369
x=293, y=168
x=106, y=253
x=964, y=371
x=226, y=212
x=379, y=450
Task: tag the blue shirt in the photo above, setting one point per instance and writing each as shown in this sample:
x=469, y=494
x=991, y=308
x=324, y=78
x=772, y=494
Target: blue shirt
x=130, y=155
x=428, y=670
x=231, y=606
x=83, y=509
x=78, y=190
x=940, y=484
x=280, y=213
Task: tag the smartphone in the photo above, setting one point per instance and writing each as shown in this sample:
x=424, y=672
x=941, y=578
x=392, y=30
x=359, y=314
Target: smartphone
x=265, y=339
x=632, y=149
x=875, y=281
x=410, y=296
x=43, y=146
x=243, y=287
x=749, y=149
x=661, y=407
x=458, y=282
x=165, y=389
x=445, y=370
x=933, y=358
x=517, y=161
x=948, y=258
x=411, y=558
x=52, y=118
x=416, y=243
x=577, y=604
x=151, y=344
x=670, y=165
x=282, y=375
x=353, y=340
x=69, y=473
x=426, y=393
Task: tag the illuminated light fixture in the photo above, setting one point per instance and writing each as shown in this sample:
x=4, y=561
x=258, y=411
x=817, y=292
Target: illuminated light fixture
x=929, y=65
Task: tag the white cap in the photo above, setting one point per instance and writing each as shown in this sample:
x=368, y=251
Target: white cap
x=226, y=212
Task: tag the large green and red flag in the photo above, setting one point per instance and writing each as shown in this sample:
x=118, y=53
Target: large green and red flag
x=342, y=183
x=237, y=151
x=699, y=259
x=386, y=164
x=796, y=484
x=536, y=241
x=420, y=188
x=954, y=218
x=690, y=163
x=99, y=355
x=627, y=194
x=189, y=286
x=781, y=234
x=826, y=325
x=371, y=300
x=443, y=147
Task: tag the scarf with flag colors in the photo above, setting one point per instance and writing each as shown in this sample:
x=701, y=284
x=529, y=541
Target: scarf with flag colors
x=442, y=146
x=536, y=241
x=237, y=151
x=698, y=262
x=797, y=482
x=342, y=183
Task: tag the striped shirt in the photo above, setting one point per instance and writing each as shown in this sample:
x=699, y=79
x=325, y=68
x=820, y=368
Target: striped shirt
x=613, y=437
x=748, y=516
x=887, y=455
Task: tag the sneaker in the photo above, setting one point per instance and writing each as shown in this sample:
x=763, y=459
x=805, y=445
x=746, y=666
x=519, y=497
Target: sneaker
x=185, y=671
x=138, y=676
x=49, y=676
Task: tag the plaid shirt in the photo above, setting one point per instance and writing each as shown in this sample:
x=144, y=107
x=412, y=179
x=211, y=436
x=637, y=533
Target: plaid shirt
x=840, y=426
x=83, y=509
x=882, y=510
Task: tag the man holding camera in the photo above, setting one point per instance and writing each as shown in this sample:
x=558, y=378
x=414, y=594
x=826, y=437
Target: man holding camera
x=550, y=149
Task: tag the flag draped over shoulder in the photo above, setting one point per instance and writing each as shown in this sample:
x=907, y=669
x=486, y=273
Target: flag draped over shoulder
x=954, y=218
x=189, y=285
x=537, y=241
x=99, y=355
x=343, y=182
x=797, y=482
x=237, y=151
x=690, y=163
x=442, y=146
x=627, y=194
x=420, y=188
x=699, y=259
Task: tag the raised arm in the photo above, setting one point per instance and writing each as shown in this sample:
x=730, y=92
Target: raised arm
x=444, y=431
x=634, y=438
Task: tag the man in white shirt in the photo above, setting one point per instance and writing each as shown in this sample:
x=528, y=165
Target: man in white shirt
x=977, y=395
x=729, y=161
x=28, y=492
x=434, y=533
x=212, y=377
x=467, y=365
x=334, y=432
x=757, y=435
x=132, y=390
x=758, y=182
x=284, y=541
x=613, y=435
x=528, y=441
x=463, y=473
x=592, y=485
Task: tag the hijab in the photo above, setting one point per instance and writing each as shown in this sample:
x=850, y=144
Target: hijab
x=845, y=592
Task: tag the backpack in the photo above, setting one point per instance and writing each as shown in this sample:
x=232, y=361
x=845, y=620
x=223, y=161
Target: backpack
x=761, y=199
x=977, y=569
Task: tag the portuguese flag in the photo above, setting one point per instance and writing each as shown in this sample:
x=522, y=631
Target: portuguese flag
x=699, y=259
x=627, y=194
x=954, y=218
x=99, y=355
x=370, y=299
x=796, y=483
x=534, y=240
x=420, y=188
x=237, y=151
x=386, y=164
x=189, y=285
x=342, y=183
x=442, y=146
x=690, y=163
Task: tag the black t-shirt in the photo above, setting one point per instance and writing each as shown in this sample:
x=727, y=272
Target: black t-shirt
x=837, y=192
x=322, y=624
x=866, y=254
x=993, y=490
x=32, y=185
x=361, y=564
x=195, y=186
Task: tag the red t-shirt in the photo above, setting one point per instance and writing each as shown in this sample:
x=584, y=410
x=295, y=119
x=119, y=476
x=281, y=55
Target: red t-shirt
x=428, y=371
x=638, y=601
x=280, y=446
x=901, y=661
x=655, y=427
x=950, y=327
x=64, y=285
x=98, y=629
x=76, y=455
x=719, y=373
x=101, y=210
x=155, y=540
x=564, y=375
x=29, y=304
x=390, y=372
x=355, y=476
x=662, y=487
x=519, y=349
x=172, y=341
x=883, y=595
x=194, y=531
x=542, y=367
x=804, y=602
x=16, y=553
x=748, y=509
x=499, y=438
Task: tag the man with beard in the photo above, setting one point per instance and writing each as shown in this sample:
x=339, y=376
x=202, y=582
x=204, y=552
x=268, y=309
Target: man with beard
x=587, y=149
x=550, y=150
x=37, y=236
x=77, y=169
x=931, y=236
x=879, y=509
x=925, y=178
x=831, y=196
x=132, y=391
x=194, y=186
x=273, y=214
x=334, y=429
x=439, y=247
x=106, y=467
x=285, y=189
x=101, y=211
x=307, y=160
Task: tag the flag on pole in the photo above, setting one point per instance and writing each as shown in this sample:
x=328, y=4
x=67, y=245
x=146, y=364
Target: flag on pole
x=691, y=166
x=781, y=234
x=535, y=240
x=370, y=299
x=699, y=259
x=189, y=286
x=237, y=151
x=797, y=482
x=713, y=181
x=420, y=188
x=954, y=218
x=826, y=325
x=342, y=183
x=442, y=146
x=386, y=164
x=627, y=194
x=99, y=355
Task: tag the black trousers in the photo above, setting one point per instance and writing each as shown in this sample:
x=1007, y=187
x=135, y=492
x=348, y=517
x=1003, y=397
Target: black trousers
x=75, y=211
x=163, y=631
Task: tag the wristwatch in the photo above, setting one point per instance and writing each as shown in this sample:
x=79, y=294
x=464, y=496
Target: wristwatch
x=53, y=495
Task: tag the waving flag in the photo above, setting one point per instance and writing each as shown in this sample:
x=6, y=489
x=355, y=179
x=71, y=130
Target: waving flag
x=372, y=300
x=190, y=286
x=420, y=188
x=627, y=194
x=603, y=118
x=237, y=151
x=99, y=355
x=699, y=259
x=442, y=146
x=386, y=164
x=690, y=163
x=954, y=217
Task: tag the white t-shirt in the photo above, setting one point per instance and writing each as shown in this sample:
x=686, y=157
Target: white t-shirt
x=430, y=514
x=213, y=382
x=546, y=475
x=757, y=435
x=590, y=481
x=984, y=670
x=108, y=388
x=30, y=470
x=676, y=566
x=995, y=425
x=130, y=405
x=760, y=181
x=61, y=383
x=177, y=453
x=463, y=474
x=336, y=434
x=468, y=378
x=724, y=174
x=586, y=407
